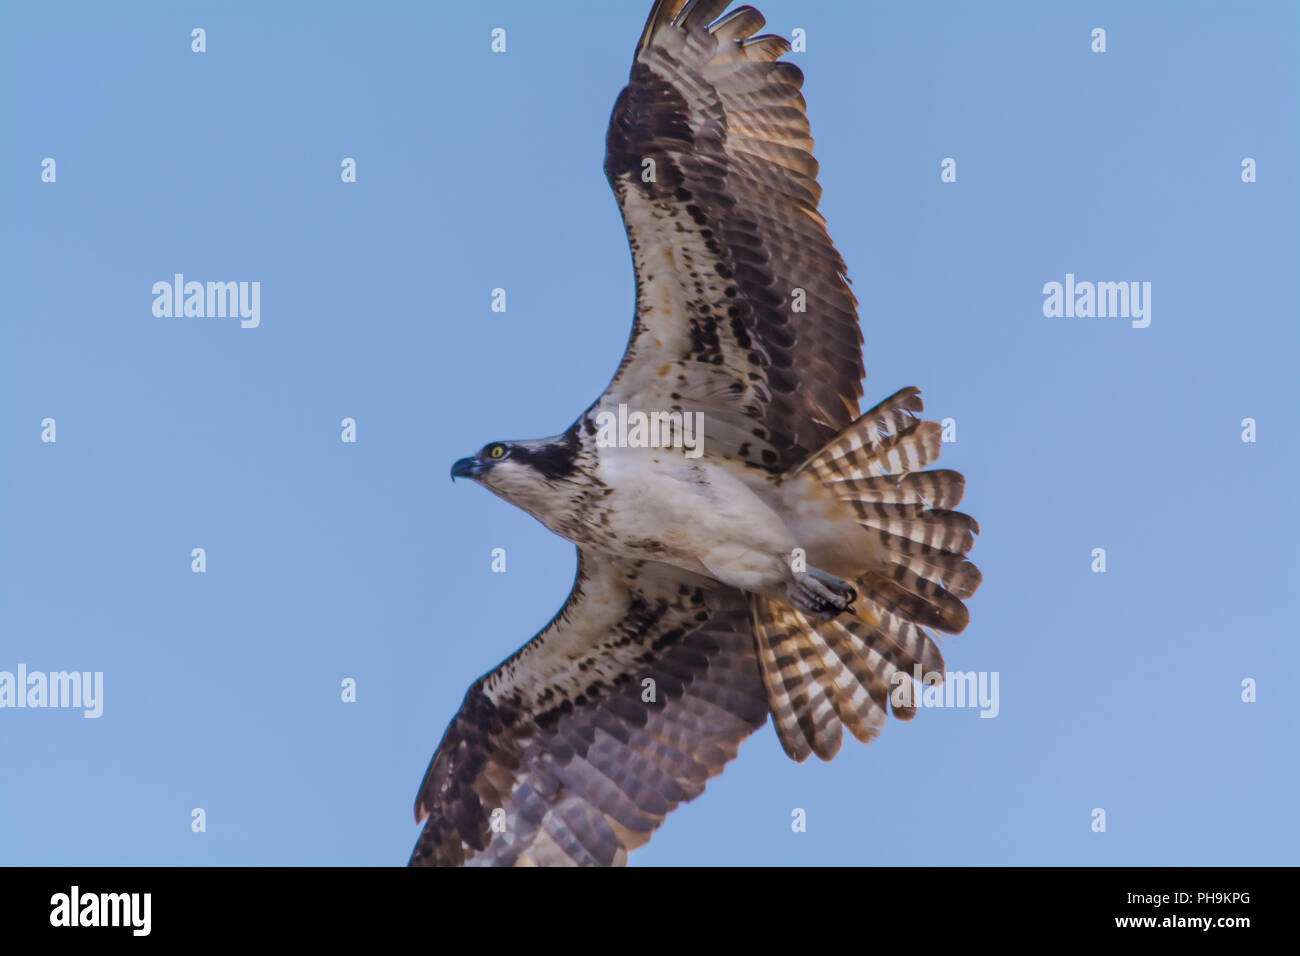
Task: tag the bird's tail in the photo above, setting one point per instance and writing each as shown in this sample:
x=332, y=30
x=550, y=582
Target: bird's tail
x=822, y=676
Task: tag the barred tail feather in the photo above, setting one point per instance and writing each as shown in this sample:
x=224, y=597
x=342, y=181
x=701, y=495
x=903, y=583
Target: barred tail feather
x=798, y=693
x=887, y=440
x=872, y=466
x=822, y=676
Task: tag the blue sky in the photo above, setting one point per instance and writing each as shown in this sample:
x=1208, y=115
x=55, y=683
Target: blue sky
x=476, y=170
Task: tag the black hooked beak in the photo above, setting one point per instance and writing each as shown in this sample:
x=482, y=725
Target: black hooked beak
x=466, y=468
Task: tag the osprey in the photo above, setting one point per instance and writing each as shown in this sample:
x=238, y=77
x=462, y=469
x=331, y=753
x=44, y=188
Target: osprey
x=791, y=562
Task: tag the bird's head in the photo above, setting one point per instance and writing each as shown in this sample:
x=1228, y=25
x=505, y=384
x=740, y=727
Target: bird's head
x=528, y=474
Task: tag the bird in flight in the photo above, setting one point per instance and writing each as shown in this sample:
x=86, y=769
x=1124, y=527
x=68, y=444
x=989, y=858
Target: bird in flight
x=791, y=558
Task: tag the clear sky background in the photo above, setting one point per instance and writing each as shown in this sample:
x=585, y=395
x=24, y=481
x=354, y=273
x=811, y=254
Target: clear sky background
x=477, y=170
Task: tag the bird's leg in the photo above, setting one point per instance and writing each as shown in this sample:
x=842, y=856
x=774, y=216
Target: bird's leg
x=820, y=594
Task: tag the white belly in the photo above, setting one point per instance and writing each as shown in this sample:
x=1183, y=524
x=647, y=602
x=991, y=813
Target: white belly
x=695, y=514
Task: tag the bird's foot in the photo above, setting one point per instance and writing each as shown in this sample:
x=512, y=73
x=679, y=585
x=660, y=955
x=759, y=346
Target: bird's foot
x=820, y=594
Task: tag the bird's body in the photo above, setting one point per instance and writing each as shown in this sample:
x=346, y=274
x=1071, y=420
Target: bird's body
x=698, y=515
x=789, y=559
x=708, y=515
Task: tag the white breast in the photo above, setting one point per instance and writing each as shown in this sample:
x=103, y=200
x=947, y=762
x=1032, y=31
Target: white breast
x=694, y=513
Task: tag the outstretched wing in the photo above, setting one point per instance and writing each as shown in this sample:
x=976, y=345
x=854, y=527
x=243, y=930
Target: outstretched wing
x=743, y=310
x=565, y=754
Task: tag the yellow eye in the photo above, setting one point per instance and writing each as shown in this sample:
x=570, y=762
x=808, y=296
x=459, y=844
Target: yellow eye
x=497, y=451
